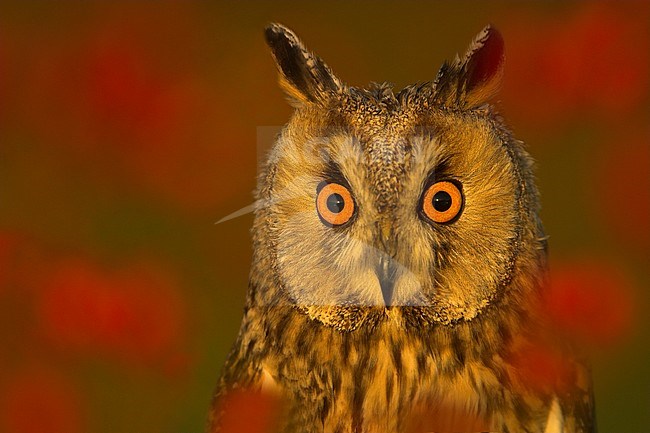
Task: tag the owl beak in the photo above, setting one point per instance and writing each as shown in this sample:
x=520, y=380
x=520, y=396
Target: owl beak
x=386, y=271
x=386, y=267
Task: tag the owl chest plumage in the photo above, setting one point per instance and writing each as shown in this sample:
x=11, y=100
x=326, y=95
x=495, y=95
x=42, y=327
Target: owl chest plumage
x=385, y=379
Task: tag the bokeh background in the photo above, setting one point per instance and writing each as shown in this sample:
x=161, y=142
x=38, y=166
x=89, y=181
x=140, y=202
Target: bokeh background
x=127, y=130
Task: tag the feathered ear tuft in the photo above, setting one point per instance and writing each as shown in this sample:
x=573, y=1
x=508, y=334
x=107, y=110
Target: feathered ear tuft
x=304, y=77
x=472, y=81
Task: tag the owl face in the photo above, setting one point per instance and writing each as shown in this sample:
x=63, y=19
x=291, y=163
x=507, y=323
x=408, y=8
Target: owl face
x=376, y=201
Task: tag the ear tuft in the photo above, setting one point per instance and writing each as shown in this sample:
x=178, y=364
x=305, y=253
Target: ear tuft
x=304, y=76
x=474, y=80
x=484, y=69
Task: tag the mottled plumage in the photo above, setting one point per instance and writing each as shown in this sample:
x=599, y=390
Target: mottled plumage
x=390, y=319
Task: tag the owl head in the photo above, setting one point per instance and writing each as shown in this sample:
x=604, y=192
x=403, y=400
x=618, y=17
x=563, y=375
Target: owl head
x=382, y=205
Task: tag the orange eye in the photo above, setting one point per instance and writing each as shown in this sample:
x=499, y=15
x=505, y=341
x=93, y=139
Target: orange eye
x=334, y=204
x=442, y=202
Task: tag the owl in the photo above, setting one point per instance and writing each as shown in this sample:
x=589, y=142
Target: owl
x=399, y=262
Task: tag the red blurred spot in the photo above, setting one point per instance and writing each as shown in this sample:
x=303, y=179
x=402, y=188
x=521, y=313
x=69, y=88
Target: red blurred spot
x=590, y=301
x=161, y=123
x=246, y=411
x=40, y=401
x=622, y=176
x=133, y=315
x=137, y=110
x=121, y=88
x=596, y=61
x=132, y=99
x=542, y=367
x=613, y=51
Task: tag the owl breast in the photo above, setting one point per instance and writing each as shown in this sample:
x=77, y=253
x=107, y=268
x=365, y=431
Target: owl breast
x=381, y=381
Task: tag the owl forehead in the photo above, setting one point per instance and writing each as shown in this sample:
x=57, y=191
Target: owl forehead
x=383, y=139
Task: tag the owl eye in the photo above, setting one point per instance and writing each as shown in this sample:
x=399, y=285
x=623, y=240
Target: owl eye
x=442, y=202
x=334, y=204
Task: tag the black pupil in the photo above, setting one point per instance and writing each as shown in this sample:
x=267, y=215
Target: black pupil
x=335, y=203
x=441, y=201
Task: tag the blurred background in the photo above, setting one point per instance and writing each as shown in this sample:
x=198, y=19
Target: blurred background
x=127, y=130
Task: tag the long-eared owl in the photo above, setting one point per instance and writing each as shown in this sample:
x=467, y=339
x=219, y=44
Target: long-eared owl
x=399, y=261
